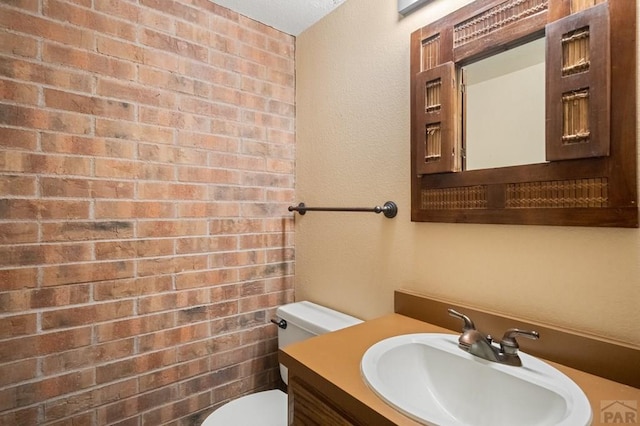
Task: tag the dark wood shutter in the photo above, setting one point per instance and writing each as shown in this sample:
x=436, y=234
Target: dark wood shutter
x=578, y=85
x=437, y=139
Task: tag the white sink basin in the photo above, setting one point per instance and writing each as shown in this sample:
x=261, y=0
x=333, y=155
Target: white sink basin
x=430, y=379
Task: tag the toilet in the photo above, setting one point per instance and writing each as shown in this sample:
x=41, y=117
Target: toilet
x=296, y=321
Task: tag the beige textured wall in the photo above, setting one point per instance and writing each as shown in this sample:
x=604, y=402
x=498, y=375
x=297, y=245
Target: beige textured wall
x=353, y=149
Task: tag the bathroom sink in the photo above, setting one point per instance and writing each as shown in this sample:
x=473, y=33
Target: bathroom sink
x=430, y=379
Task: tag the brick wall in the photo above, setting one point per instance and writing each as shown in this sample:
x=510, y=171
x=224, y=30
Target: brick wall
x=146, y=162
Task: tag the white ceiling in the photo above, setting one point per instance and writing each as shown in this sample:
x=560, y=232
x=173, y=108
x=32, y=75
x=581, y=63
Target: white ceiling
x=289, y=16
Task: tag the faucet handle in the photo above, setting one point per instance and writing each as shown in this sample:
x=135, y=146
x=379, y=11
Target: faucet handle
x=509, y=343
x=468, y=324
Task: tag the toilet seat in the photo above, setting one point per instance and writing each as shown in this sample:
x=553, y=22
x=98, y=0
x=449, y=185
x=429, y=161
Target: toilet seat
x=267, y=408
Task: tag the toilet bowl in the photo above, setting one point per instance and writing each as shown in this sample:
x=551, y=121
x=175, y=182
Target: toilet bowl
x=297, y=321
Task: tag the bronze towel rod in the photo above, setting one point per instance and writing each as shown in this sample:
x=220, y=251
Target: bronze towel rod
x=390, y=209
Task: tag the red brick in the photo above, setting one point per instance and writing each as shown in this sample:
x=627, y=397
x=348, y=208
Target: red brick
x=26, y=416
x=86, y=272
x=134, y=210
x=83, y=315
x=134, y=366
x=174, y=337
x=16, y=372
x=88, y=61
x=232, y=193
x=84, y=188
x=280, y=255
x=21, y=209
x=107, y=290
x=178, y=10
x=135, y=131
x=87, y=356
x=132, y=170
x=132, y=327
x=215, y=76
x=45, y=74
x=198, y=34
x=135, y=405
x=49, y=30
x=64, y=407
x=17, y=325
x=19, y=278
x=79, y=145
x=195, y=299
x=205, y=244
x=174, y=119
x=169, y=81
x=242, y=258
x=15, y=301
x=209, y=141
x=123, y=9
x=83, y=231
x=111, y=168
x=205, y=278
x=192, y=299
x=18, y=232
x=18, y=138
x=17, y=44
x=172, y=191
x=171, y=228
x=77, y=420
x=204, y=107
x=48, y=388
x=172, y=374
x=170, y=154
x=208, y=175
x=171, y=265
x=13, y=115
x=157, y=20
x=43, y=344
x=180, y=47
x=208, y=346
x=13, y=161
x=18, y=92
x=65, y=253
x=21, y=255
x=212, y=209
x=59, y=296
x=133, y=249
x=136, y=93
x=58, y=99
x=17, y=185
x=192, y=404
x=87, y=18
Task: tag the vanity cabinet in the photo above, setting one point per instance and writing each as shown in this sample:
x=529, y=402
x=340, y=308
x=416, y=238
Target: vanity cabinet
x=307, y=406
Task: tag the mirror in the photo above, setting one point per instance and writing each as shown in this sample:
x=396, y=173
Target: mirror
x=585, y=174
x=504, y=108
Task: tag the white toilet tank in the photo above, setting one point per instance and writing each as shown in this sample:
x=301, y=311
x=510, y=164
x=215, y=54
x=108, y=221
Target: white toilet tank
x=305, y=320
x=269, y=408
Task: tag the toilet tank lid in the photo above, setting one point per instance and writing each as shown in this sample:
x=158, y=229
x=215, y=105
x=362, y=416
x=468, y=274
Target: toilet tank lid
x=315, y=318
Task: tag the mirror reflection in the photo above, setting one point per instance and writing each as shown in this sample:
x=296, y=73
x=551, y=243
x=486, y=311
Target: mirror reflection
x=504, y=108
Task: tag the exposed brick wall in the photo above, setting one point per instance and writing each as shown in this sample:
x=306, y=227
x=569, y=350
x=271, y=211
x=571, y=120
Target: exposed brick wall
x=146, y=162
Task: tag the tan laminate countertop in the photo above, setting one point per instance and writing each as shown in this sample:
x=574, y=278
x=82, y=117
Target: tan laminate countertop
x=335, y=358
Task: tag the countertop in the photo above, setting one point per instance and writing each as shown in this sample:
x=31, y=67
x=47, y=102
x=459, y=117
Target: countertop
x=331, y=362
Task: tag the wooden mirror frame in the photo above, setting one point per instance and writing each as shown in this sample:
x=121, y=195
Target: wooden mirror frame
x=594, y=184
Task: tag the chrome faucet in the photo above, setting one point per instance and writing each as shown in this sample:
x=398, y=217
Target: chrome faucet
x=474, y=342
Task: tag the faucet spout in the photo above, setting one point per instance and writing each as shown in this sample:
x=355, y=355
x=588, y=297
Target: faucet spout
x=476, y=343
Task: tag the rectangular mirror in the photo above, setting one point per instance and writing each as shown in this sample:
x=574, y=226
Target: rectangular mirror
x=504, y=108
